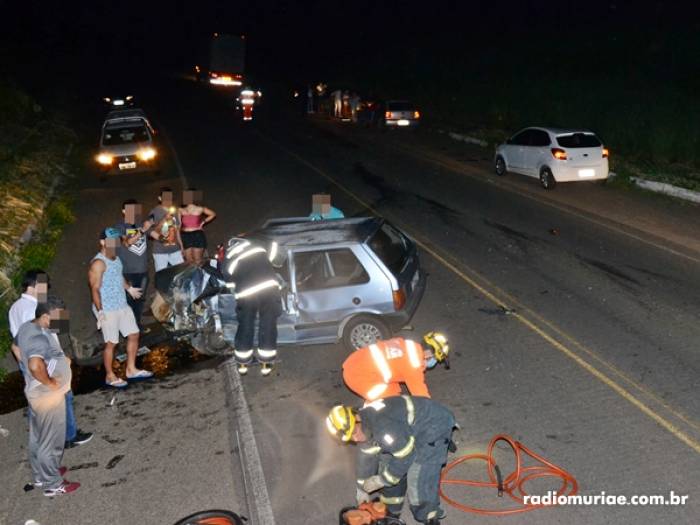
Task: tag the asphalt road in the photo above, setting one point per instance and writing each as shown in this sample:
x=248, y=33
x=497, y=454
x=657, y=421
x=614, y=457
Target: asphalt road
x=597, y=371
x=576, y=338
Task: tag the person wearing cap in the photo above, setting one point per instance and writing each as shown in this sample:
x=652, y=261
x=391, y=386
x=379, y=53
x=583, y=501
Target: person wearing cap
x=114, y=316
x=47, y=378
x=402, y=445
x=35, y=286
x=378, y=370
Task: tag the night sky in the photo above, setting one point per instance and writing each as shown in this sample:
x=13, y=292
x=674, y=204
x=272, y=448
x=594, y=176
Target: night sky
x=320, y=39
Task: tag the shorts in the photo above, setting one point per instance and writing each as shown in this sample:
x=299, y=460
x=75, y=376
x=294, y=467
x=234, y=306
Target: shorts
x=163, y=260
x=195, y=239
x=119, y=321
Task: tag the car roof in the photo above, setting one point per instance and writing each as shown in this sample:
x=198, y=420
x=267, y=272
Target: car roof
x=124, y=113
x=301, y=231
x=560, y=131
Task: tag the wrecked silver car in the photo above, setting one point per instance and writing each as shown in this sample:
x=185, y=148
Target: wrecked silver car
x=357, y=280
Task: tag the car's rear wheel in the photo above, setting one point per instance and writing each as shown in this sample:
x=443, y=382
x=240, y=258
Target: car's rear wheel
x=547, y=179
x=500, y=166
x=364, y=330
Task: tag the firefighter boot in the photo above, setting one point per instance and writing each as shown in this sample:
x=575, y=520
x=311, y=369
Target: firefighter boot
x=242, y=369
x=266, y=369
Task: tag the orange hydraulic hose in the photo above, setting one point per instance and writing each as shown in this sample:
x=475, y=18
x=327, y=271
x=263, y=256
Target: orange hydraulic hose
x=511, y=484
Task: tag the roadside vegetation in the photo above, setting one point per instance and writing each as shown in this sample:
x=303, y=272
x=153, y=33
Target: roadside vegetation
x=638, y=93
x=34, y=207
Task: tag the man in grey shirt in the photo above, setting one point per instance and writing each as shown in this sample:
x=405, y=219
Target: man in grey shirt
x=165, y=232
x=47, y=377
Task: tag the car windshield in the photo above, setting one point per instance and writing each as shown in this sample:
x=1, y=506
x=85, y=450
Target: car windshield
x=399, y=106
x=125, y=135
x=579, y=140
x=391, y=247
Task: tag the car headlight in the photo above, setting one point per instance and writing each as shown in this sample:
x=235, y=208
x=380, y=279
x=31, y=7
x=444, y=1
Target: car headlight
x=147, y=154
x=104, y=159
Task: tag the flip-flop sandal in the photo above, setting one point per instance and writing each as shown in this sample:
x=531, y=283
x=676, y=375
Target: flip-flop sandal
x=118, y=383
x=141, y=375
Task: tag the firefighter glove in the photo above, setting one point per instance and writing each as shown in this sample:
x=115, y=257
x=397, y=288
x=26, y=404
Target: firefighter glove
x=373, y=483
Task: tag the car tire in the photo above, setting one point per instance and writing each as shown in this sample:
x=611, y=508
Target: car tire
x=547, y=178
x=500, y=166
x=364, y=330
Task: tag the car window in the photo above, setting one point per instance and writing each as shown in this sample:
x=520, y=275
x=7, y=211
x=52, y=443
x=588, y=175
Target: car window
x=521, y=139
x=323, y=269
x=540, y=138
x=391, y=247
x=399, y=106
x=125, y=135
x=579, y=140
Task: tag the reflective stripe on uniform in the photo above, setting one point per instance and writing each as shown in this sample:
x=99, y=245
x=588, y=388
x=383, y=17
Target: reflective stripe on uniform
x=371, y=451
x=413, y=357
x=380, y=362
x=396, y=500
x=391, y=479
x=410, y=410
x=238, y=248
x=376, y=391
x=234, y=263
x=405, y=451
x=257, y=288
x=267, y=354
x=243, y=354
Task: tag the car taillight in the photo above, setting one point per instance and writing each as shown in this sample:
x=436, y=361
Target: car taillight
x=399, y=299
x=606, y=153
x=387, y=114
x=558, y=154
x=416, y=114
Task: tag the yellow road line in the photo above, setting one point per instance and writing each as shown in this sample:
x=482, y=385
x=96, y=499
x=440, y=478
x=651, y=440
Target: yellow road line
x=673, y=429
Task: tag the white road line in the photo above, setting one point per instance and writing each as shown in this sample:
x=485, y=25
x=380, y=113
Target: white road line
x=259, y=506
x=257, y=497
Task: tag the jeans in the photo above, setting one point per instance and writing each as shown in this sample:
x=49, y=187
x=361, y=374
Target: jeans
x=138, y=280
x=71, y=424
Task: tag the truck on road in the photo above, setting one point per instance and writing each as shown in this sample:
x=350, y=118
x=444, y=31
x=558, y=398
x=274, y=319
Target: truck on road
x=226, y=61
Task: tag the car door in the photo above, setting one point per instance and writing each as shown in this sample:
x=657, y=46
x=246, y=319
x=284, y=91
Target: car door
x=536, y=152
x=329, y=283
x=516, y=149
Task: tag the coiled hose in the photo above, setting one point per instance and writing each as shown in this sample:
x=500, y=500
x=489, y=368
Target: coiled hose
x=513, y=483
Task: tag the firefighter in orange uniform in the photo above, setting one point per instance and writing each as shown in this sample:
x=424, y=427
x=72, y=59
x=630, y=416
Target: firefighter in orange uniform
x=377, y=371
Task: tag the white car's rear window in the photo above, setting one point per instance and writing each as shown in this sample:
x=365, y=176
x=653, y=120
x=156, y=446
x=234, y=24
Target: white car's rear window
x=579, y=140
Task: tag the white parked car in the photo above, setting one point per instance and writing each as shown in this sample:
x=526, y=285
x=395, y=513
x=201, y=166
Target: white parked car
x=554, y=155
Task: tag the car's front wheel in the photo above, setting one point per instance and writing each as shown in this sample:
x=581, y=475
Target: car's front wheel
x=500, y=166
x=364, y=330
x=547, y=179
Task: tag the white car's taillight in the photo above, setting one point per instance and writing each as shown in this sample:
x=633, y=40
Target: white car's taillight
x=606, y=153
x=559, y=154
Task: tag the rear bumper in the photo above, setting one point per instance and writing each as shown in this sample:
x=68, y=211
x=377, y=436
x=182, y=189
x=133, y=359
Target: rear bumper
x=397, y=320
x=563, y=173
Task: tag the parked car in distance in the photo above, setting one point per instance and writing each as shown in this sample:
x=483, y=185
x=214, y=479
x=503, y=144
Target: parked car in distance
x=400, y=114
x=554, y=155
x=353, y=280
x=127, y=143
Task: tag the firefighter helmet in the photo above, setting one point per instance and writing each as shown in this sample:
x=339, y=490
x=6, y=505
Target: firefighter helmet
x=341, y=422
x=438, y=343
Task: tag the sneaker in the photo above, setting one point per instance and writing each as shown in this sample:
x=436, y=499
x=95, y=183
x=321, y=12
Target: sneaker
x=64, y=488
x=242, y=369
x=61, y=472
x=80, y=439
x=266, y=369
